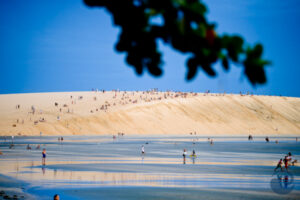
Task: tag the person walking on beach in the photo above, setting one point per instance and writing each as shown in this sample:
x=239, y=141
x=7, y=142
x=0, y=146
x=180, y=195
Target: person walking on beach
x=290, y=159
x=44, y=157
x=286, y=163
x=184, y=155
x=194, y=153
x=250, y=137
x=143, y=150
x=279, y=165
x=267, y=139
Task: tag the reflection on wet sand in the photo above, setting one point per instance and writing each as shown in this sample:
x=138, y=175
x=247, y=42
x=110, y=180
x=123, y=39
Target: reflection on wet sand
x=90, y=178
x=38, y=174
x=88, y=163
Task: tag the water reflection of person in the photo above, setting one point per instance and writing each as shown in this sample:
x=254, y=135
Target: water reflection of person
x=55, y=172
x=193, y=159
x=193, y=156
x=279, y=177
x=286, y=181
x=43, y=170
x=143, y=159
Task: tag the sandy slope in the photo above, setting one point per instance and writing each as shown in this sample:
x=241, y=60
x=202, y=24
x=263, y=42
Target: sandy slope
x=153, y=113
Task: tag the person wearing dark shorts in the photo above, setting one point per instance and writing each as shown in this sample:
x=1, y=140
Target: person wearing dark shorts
x=286, y=163
x=184, y=155
x=44, y=157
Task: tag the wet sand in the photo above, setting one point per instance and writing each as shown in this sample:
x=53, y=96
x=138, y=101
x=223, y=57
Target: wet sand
x=90, y=167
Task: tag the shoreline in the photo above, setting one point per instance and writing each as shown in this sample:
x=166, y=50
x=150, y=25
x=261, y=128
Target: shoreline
x=101, y=167
x=13, y=188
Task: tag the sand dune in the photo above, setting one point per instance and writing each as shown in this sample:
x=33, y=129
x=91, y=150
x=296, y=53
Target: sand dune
x=79, y=113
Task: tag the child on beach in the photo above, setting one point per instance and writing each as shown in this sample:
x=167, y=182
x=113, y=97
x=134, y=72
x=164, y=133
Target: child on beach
x=194, y=153
x=44, y=157
x=279, y=165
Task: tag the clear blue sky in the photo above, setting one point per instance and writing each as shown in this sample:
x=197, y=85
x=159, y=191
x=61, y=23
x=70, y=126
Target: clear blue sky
x=63, y=45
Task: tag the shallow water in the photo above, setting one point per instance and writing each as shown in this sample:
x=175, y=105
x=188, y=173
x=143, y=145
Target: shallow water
x=100, y=163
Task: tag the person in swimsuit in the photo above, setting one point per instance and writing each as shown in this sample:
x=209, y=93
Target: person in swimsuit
x=279, y=165
x=44, y=157
x=267, y=139
x=290, y=159
x=286, y=163
x=143, y=149
x=184, y=155
x=194, y=153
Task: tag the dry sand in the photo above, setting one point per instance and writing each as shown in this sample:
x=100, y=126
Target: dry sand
x=148, y=113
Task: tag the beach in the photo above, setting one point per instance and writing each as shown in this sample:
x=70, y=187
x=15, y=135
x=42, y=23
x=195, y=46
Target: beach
x=89, y=167
x=148, y=113
x=94, y=140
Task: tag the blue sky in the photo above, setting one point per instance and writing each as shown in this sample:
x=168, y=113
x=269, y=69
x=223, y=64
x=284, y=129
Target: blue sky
x=55, y=45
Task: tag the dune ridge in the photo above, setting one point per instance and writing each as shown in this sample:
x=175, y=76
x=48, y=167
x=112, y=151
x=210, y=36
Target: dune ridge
x=148, y=112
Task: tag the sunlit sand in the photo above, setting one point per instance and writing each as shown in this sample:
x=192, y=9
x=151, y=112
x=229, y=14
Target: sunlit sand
x=150, y=113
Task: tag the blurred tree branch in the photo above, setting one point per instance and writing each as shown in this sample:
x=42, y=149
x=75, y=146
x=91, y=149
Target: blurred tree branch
x=186, y=29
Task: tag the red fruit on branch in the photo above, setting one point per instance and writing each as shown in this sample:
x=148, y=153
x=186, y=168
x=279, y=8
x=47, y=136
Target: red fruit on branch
x=210, y=36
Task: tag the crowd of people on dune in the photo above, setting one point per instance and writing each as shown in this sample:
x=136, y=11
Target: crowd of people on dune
x=119, y=98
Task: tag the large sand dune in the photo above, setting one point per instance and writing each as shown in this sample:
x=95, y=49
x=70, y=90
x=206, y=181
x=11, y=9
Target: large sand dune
x=148, y=113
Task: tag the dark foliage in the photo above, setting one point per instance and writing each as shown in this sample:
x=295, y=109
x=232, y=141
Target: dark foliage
x=186, y=29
